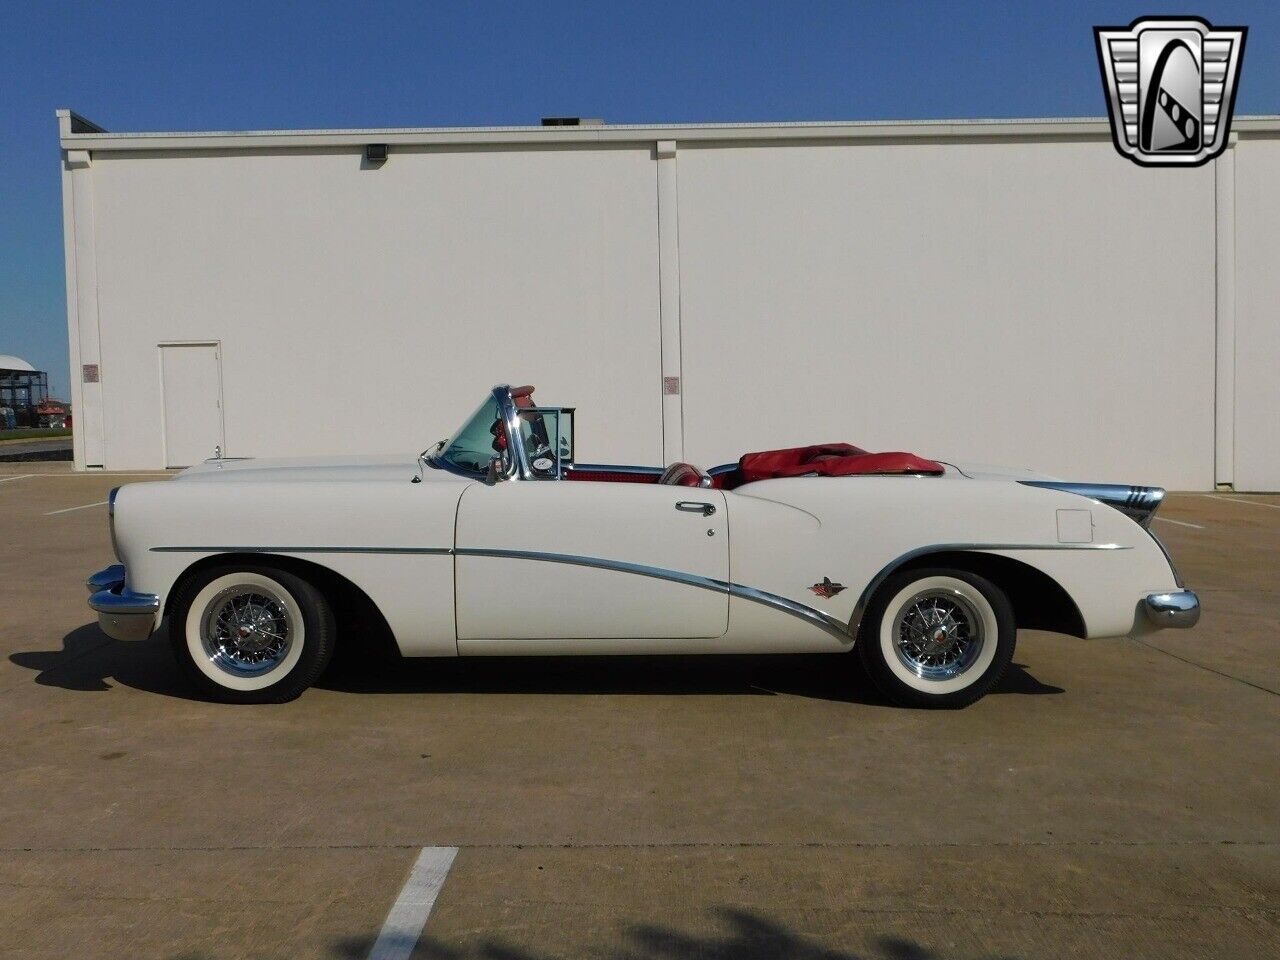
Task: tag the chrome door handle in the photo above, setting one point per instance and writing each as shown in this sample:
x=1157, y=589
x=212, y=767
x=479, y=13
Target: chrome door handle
x=695, y=506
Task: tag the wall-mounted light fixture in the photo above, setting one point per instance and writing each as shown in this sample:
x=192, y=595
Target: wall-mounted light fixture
x=375, y=153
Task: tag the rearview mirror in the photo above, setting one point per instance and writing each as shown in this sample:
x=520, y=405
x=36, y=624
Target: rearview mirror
x=497, y=470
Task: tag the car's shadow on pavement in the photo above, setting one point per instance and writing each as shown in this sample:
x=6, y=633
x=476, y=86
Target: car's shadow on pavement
x=90, y=661
x=743, y=935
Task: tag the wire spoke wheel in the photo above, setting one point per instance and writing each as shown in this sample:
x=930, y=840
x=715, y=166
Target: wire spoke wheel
x=247, y=630
x=938, y=634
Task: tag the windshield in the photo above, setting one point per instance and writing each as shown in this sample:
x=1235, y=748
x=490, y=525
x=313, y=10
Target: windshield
x=473, y=446
x=545, y=438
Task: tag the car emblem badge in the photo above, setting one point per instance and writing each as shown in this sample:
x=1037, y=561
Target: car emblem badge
x=826, y=589
x=1171, y=86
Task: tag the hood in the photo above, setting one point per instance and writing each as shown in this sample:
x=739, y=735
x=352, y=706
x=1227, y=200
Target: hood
x=393, y=468
x=985, y=471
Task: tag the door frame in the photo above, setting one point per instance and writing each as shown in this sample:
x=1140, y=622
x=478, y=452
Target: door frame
x=222, y=423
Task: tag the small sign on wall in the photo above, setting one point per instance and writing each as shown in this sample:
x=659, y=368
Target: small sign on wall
x=671, y=386
x=90, y=372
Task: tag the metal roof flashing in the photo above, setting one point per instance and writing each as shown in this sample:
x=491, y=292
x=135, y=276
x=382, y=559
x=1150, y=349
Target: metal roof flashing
x=76, y=132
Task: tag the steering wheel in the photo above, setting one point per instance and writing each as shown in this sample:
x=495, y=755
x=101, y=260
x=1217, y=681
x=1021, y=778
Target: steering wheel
x=545, y=453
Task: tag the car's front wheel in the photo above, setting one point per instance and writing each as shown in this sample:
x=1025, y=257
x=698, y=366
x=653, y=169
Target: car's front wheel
x=937, y=637
x=251, y=634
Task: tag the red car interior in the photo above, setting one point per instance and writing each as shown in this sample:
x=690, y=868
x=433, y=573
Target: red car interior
x=824, y=460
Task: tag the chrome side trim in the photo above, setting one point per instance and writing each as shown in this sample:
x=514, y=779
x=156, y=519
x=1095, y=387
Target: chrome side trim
x=1179, y=609
x=232, y=549
x=815, y=617
x=823, y=621
x=1137, y=503
x=818, y=618
x=860, y=608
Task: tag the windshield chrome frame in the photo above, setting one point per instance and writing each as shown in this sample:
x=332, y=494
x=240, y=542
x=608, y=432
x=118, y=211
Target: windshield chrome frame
x=518, y=468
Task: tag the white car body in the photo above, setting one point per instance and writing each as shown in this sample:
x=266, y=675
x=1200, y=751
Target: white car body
x=470, y=565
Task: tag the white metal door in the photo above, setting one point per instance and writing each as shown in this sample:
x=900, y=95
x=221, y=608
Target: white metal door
x=567, y=560
x=191, y=380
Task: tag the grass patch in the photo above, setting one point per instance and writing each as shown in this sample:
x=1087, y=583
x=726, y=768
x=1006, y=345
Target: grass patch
x=33, y=434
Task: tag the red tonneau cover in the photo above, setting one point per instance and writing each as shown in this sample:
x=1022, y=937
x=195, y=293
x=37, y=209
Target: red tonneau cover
x=824, y=459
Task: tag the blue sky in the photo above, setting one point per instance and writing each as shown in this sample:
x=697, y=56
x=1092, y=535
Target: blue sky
x=232, y=65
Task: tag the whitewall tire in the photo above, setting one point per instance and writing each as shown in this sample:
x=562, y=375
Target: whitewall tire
x=251, y=634
x=937, y=637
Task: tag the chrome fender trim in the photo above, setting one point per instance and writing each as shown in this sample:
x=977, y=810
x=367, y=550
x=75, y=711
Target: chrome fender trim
x=842, y=631
x=821, y=620
x=860, y=608
x=1139, y=504
x=817, y=618
x=444, y=551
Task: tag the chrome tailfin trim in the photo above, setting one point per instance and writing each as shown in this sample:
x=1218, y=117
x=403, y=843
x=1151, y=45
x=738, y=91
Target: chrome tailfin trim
x=1137, y=503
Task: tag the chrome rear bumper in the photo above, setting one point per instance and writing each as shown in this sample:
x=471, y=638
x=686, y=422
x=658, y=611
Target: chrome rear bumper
x=1178, y=609
x=122, y=614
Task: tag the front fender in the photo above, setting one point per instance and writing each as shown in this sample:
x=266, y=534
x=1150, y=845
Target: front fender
x=392, y=539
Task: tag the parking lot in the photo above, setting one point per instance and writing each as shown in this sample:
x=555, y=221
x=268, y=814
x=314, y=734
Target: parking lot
x=1112, y=798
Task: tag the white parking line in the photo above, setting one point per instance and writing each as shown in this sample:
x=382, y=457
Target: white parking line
x=22, y=477
x=1252, y=503
x=1181, y=523
x=409, y=914
x=83, y=506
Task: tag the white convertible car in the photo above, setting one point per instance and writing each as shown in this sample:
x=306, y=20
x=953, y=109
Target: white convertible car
x=496, y=542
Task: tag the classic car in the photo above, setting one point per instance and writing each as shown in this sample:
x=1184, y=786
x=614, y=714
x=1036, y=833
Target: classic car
x=496, y=542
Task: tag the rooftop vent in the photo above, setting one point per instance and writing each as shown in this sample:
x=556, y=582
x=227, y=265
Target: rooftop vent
x=572, y=122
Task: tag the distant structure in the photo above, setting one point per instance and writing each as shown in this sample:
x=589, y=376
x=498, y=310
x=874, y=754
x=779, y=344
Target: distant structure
x=23, y=389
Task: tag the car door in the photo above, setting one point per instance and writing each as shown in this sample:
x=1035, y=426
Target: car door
x=580, y=560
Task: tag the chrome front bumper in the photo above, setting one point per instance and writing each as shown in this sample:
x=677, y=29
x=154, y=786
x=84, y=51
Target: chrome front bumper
x=122, y=614
x=1178, y=609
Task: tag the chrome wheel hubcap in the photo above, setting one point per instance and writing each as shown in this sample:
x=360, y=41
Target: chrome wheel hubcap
x=938, y=634
x=246, y=631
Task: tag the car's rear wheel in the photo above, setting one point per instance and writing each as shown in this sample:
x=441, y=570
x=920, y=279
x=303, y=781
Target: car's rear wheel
x=937, y=637
x=251, y=634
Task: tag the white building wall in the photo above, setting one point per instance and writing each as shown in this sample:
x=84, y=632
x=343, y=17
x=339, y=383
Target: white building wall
x=1257, y=315
x=1000, y=302
x=1012, y=293
x=367, y=310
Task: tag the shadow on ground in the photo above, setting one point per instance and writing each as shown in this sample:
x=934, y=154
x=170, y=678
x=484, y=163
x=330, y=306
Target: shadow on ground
x=745, y=936
x=89, y=661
